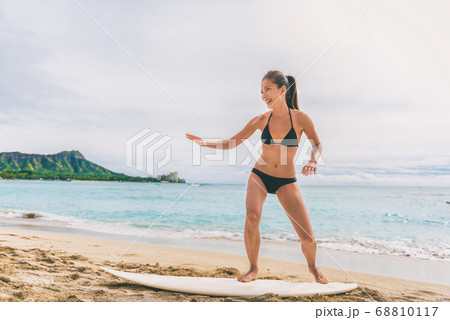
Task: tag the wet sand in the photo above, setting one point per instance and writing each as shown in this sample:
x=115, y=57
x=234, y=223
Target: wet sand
x=47, y=266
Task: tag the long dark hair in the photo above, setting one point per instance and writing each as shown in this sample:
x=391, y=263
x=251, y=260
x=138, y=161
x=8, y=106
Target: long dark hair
x=280, y=79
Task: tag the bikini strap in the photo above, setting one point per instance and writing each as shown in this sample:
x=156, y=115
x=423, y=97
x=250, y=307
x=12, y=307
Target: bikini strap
x=269, y=118
x=290, y=116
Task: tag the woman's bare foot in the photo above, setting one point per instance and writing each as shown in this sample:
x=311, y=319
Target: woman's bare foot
x=317, y=274
x=251, y=275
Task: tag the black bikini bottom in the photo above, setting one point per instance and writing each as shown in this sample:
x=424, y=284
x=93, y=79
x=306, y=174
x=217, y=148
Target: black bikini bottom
x=273, y=183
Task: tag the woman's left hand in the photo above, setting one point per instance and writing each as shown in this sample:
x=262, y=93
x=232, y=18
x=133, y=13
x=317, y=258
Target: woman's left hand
x=310, y=168
x=196, y=139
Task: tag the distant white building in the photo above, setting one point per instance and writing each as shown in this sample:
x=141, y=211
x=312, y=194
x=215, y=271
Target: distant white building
x=173, y=176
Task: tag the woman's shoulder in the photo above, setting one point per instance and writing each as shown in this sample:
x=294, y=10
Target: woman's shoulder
x=299, y=114
x=261, y=118
x=300, y=117
x=265, y=114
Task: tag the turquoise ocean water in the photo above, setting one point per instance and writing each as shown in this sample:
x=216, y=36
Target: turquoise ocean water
x=402, y=221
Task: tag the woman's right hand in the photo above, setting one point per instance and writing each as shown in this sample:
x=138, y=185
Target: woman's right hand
x=196, y=139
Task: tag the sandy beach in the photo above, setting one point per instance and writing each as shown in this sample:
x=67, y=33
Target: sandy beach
x=47, y=266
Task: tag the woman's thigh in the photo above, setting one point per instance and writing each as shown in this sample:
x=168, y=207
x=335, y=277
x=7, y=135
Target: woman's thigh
x=292, y=202
x=256, y=195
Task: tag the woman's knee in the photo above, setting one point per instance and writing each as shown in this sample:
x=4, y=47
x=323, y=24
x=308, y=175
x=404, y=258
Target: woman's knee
x=253, y=218
x=309, y=240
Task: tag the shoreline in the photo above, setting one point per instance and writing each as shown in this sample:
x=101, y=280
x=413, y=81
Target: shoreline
x=305, y=184
x=395, y=266
x=81, y=180
x=71, y=263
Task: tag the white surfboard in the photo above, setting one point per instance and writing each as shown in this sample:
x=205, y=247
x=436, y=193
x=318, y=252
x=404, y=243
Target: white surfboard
x=231, y=287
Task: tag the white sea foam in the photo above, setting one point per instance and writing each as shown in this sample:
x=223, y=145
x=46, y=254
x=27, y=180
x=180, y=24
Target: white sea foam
x=399, y=247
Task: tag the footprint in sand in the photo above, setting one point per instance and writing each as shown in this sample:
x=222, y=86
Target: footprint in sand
x=74, y=276
x=77, y=257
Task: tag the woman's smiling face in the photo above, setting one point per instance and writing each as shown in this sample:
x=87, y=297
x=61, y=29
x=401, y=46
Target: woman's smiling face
x=270, y=93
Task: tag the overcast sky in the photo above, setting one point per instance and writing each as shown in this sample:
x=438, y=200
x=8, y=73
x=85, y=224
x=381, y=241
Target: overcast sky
x=379, y=97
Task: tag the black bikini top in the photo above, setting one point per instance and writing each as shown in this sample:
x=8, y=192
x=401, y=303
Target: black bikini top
x=288, y=140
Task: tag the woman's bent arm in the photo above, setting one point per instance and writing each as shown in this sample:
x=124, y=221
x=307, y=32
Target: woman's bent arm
x=313, y=137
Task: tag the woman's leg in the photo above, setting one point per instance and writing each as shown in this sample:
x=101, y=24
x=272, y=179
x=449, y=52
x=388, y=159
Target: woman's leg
x=292, y=202
x=256, y=194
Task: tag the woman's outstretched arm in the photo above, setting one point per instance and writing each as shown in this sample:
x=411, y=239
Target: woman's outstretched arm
x=234, y=141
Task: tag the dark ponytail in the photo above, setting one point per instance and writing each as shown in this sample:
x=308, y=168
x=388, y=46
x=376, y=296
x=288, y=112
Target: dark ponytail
x=291, y=96
x=279, y=79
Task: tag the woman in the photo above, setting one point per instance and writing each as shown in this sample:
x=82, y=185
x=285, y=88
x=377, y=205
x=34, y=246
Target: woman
x=274, y=171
